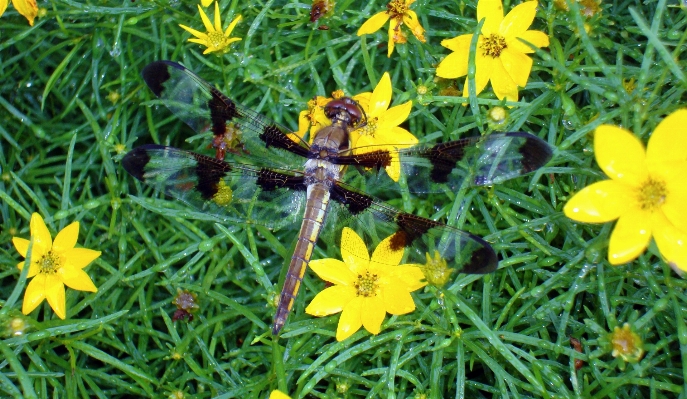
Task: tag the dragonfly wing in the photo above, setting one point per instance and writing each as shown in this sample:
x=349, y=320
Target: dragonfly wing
x=228, y=191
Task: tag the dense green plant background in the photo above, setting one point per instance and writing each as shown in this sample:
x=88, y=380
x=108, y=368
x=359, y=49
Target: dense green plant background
x=72, y=103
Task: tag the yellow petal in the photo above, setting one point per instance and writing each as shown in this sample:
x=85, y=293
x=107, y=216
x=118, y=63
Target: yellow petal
x=410, y=19
x=333, y=271
x=537, y=38
x=353, y=250
x=673, y=175
x=232, y=25
x=384, y=255
x=492, y=10
x=54, y=293
x=397, y=299
x=80, y=257
x=484, y=68
x=620, y=154
x=381, y=97
x=502, y=84
x=200, y=35
x=331, y=300
x=411, y=276
x=373, y=313
x=35, y=294
x=77, y=279
x=206, y=20
x=394, y=116
x=3, y=6
x=669, y=141
x=42, y=241
x=671, y=242
x=277, y=394
x=218, y=20
x=518, y=66
x=453, y=66
x=350, y=320
x=600, y=202
x=27, y=8
x=459, y=44
x=630, y=237
x=21, y=245
x=373, y=24
x=66, y=239
x=518, y=19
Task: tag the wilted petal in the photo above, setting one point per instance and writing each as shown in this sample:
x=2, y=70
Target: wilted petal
x=519, y=19
x=374, y=23
x=66, y=239
x=411, y=21
x=27, y=8
x=372, y=314
x=331, y=300
x=333, y=271
x=600, y=202
x=80, y=257
x=76, y=279
x=350, y=320
x=353, y=250
x=630, y=237
x=492, y=10
x=669, y=141
x=34, y=295
x=620, y=154
x=54, y=293
x=518, y=66
x=397, y=299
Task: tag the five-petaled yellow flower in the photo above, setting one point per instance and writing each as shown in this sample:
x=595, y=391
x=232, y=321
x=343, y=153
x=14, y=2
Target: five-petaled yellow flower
x=54, y=265
x=365, y=288
x=500, y=57
x=399, y=12
x=215, y=39
x=27, y=8
x=646, y=193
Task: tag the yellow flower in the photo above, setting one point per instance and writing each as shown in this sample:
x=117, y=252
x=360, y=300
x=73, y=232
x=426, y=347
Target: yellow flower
x=399, y=13
x=646, y=192
x=365, y=288
x=500, y=57
x=381, y=130
x=54, y=265
x=277, y=394
x=27, y=8
x=214, y=40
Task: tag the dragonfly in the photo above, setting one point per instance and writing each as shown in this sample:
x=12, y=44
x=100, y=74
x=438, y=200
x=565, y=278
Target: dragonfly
x=262, y=174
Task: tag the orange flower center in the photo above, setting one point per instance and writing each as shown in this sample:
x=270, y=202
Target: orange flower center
x=652, y=194
x=493, y=45
x=626, y=343
x=216, y=39
x=369, y=128
x=396, y=9
x=366, y=285
x=49, y=263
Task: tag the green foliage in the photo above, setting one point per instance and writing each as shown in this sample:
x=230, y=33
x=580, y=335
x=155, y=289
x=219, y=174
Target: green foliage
x=72, y=102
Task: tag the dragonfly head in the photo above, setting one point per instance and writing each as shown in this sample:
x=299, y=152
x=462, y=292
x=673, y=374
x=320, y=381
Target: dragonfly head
x=345, y=110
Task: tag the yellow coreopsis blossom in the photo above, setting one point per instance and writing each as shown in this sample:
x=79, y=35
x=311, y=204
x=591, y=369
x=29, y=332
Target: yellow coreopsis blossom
x=382, y=130
x=54, y=265
x=214, y=39
x=646, y=191
x=365, y=288
x=500, y=57
x=399, y=12
x=27, y=8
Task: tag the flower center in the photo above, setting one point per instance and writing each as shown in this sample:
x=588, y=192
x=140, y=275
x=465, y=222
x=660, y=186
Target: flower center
x=367, y=284
x=493, y=45
x=369, y=128
x=652, y=194
x=49, y=263
x=216, y=39
x=396, y=9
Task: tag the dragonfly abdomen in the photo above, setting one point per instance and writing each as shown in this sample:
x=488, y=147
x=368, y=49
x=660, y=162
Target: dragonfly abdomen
x=316, y=210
